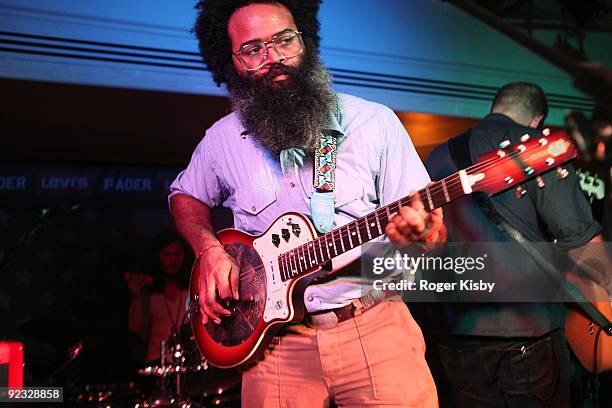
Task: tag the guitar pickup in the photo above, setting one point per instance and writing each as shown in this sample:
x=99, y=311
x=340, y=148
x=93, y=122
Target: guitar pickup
x=275, y=240
x=285, y=233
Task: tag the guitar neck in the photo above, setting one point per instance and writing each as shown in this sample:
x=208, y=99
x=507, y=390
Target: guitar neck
x=318, y=252
x=494, y=172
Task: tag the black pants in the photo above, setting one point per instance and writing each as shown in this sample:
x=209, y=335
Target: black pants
x=507, y=372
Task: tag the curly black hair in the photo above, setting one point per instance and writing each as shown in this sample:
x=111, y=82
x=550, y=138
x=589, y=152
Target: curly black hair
x=213, y=40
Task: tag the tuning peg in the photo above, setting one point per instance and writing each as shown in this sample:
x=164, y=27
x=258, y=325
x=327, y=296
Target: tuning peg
x=528, y=170
x=285, y=234
x=520, y=191
x=509, y=180
x=562, y=173
x=525, y=137
x=550, y=161
x=546, y=132
x=540, y=182
x=504, y=144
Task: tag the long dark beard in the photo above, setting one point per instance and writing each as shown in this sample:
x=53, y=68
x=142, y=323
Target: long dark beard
x=286, y=114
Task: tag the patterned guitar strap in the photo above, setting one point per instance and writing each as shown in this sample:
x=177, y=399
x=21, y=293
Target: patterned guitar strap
x=322, y=206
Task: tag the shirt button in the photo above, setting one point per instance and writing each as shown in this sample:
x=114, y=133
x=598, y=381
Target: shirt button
x=292, y=184
x=310, y=298
x=254, y=208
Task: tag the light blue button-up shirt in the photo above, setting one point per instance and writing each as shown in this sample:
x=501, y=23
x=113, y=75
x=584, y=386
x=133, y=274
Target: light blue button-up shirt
x=376, y=165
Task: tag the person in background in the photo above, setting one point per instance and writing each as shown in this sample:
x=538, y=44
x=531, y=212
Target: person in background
x=159, y=299
x=501, y=354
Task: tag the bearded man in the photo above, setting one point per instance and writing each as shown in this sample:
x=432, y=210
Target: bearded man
x=258, y=161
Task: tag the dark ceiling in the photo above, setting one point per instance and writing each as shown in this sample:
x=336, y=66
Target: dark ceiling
x=42, y=121
x=589, y=15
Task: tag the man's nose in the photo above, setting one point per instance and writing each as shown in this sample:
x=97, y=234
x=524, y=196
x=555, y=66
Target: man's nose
x=274, y=56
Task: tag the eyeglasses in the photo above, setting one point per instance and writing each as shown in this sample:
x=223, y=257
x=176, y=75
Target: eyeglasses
x=287, y=44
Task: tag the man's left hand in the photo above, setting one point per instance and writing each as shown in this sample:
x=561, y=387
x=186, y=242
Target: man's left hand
x=414, y=224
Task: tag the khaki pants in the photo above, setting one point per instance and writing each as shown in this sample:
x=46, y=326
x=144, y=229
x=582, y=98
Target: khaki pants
x=375, y=359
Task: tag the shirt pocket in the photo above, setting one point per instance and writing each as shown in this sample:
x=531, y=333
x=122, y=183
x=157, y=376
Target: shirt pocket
x=255, y=207
x=350, y=198
x=349, y=191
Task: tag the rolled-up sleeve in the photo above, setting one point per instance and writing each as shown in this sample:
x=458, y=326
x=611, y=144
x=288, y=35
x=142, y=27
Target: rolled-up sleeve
x=200, y=179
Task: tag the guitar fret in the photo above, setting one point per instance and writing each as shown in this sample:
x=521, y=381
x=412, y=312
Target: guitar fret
x=306, y=257
x=293, y=263
x=378, y=222
x=314, y=252
x=445, y=190
x=349, y=244
x=367, y=224
x=303, y=259
x=320, y=243
x=393, y=209
x=431, y=206
x=341, y=240
x=280, y=268
x=348, y=228
x=327, y=247
x=288, y=261
x=334, y=242
x=307, y=252
x=358, y=233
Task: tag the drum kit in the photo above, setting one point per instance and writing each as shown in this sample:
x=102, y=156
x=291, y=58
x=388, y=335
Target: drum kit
x=181, y=377
x=186, y=380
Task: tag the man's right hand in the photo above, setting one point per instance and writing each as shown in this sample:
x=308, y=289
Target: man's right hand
x=218, y=275
x=136, y=281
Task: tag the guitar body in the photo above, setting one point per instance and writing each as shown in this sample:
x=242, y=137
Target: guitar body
x=266, y=302
x=580, y=330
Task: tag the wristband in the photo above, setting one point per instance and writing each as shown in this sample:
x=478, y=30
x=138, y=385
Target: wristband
x=213, y=244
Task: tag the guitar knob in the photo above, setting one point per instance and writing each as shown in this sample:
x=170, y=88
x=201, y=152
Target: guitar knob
x=528, y=170
x=540, y=182
x=520, y=192
x=296, y=229
x=562, y=173
x=525, y=137
x=275, y=240
x=509, y=180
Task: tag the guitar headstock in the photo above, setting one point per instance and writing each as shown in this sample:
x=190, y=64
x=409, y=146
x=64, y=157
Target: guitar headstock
x=512, y=164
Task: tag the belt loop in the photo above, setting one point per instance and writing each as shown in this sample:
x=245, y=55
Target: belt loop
x=357, y=307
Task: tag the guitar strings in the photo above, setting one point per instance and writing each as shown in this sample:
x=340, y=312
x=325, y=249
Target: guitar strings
x=453, y=181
